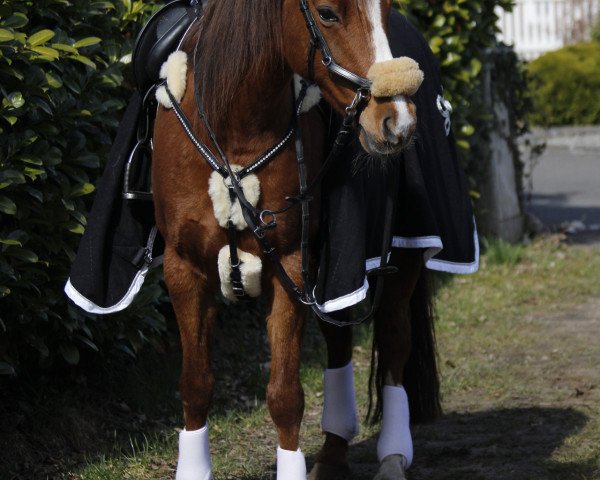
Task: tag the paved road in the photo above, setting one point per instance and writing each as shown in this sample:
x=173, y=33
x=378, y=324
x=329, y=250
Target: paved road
x=566, y=179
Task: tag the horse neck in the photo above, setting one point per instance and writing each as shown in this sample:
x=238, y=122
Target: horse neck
x=261, y=115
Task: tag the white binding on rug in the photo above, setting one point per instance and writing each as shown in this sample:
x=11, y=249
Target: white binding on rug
x=194, y=455
x=313, y=94
x=224, y=209
x=339, y=402
x=290, y=465
x=174, y=70
x=395, y=437
x=250, y=268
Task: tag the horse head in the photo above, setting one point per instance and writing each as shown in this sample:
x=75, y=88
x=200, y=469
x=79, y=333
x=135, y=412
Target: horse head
x=351, y=55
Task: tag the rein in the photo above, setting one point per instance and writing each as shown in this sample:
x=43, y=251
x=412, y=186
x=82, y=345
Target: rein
x=259, y=221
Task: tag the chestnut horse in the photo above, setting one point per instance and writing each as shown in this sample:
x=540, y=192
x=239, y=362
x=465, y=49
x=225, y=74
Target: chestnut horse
x=245, y=55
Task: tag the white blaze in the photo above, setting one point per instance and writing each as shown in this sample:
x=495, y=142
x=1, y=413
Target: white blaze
x=382, y=53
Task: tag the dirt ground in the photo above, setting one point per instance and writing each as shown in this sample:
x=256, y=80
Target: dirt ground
x=541, y=421
x=519, y=435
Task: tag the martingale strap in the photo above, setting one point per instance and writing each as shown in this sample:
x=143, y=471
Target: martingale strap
x=259, y=221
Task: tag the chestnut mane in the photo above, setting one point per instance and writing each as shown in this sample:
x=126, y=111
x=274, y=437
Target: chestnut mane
x=236, y=40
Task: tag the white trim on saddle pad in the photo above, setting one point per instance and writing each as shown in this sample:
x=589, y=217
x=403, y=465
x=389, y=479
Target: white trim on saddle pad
x=433, y=245
x=122, y=304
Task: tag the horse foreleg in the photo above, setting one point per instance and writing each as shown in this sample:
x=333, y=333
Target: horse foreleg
x=339, y=421
x=195, y=312
x=285, y=396
x=393, y=338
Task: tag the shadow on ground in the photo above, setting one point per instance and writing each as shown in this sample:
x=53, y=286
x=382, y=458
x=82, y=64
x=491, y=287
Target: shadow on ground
x=555, y=209
x=514, y=444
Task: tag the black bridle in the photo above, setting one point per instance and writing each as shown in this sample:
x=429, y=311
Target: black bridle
x=259, y=221
x=317, y=40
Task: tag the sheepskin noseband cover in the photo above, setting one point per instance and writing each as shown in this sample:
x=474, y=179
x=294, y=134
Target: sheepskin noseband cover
x=400, y=76
x=174, y=71
x=226, y=210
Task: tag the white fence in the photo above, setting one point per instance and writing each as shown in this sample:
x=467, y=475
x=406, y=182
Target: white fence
x=538, y=26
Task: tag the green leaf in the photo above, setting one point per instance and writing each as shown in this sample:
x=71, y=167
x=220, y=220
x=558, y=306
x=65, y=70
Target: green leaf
x=467, y=130
x=16, y=99
x=11, y=119
x=82, y=190
x=87, y=42
x=84, y=60
x=11, y=177
x=6, y=35
x=16, y=20
x=53, y=80
x=463, y=144
x=34, y=173
x=22, y=254
x=46, y=53
x=63, y=47
x=40, y=37
x=76, y=228
x=6, y=369
x=7, y=205
x=88, y=342
x=9, y=241
x=70, y=353
x=31, y=160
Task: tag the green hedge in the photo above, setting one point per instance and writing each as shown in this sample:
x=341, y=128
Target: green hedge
x=63, y=90
x=462, y=34
x=566, y=86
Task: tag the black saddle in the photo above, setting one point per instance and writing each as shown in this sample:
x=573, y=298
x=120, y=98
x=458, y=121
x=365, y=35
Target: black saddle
x=159, y=38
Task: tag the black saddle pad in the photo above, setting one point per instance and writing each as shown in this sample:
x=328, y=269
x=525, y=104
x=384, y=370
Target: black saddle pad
x=434, y=211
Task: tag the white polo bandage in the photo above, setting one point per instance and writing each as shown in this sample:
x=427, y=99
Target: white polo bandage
x=290, y=465
x=395, y=437
x=339, y=402
x=194, y=456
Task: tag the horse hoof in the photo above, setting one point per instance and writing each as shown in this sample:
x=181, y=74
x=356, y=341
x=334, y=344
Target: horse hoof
x=393, y=467
x=327, y=471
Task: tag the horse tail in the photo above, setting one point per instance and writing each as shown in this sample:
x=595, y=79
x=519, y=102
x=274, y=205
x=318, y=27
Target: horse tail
x=421, y=378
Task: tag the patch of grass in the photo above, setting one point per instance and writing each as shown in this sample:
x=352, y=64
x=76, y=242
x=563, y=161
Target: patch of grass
x=501, y=252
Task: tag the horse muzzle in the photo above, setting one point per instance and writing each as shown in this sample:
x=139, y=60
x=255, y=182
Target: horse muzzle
x=389, y=120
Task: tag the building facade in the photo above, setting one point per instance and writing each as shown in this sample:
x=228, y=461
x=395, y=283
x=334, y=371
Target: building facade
x=538, y=26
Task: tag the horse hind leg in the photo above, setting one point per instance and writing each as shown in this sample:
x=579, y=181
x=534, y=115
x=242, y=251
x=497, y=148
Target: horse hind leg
x=285, y=396
x=404, y=303
x=195, y=312
x=339, y=421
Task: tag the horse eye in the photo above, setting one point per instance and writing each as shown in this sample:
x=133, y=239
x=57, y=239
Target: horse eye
x=327, y=15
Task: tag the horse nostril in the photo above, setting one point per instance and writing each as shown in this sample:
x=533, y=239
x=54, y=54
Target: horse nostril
x=388, y=130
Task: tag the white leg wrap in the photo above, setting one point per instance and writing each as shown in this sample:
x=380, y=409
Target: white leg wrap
x=290, y=465
x=339, y=403
x=395, y=435
x=194, y=455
